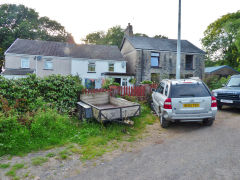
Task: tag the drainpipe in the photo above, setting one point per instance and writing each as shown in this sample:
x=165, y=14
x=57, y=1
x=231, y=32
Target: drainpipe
x=142, y=66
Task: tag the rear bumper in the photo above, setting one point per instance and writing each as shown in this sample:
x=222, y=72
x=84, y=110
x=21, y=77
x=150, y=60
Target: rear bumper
x=169, y=115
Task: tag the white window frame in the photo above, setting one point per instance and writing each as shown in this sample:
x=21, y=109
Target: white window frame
x=46, y=66
x=92, y=64
x=109, y=66
x=124, y=81
x=23, y=61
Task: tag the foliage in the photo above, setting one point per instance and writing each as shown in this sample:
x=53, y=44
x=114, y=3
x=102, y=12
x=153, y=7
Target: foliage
x=21, y=94
x=18, y=21
x=132, y=80
x=38, y=161
x=141, y=34
x=109, y=82
x=146, y=82
x=113, y=36
x=161, y=36
x=222, y=40
x=214, y=82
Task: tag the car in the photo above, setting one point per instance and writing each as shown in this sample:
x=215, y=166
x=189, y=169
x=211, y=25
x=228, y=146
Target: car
x=229, y=94
x=184, y=100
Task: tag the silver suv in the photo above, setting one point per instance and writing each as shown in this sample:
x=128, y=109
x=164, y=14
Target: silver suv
x=184, y=100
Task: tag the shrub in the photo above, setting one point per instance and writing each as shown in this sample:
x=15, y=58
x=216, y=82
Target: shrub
x=146, y=82
x=214, y=82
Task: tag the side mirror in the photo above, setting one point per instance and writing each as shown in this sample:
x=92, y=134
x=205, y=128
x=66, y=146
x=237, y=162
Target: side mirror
x=153, y=90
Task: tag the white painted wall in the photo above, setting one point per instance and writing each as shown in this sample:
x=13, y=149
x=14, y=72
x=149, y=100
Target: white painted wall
x=80, y=67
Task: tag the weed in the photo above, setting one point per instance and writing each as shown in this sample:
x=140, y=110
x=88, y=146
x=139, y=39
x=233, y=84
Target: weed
x=15, y=167
x=51, y=154
x=75, y=150
x=38, y=161
x=4, y=166
x=18, y=166
x=11, y=173
x=64, y=154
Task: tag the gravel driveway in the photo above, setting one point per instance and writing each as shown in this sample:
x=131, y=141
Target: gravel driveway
x=188, y=151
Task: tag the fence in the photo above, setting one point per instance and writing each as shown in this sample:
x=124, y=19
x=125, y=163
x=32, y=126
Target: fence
x=138, y=91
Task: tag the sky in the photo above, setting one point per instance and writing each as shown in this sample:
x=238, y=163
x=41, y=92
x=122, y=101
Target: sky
x=151, y=17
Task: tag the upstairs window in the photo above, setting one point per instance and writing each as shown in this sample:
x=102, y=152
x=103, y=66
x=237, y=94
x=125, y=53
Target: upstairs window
x=48, y=64
x=189, y=62
x=111, y=67
x=154, y=59
x=91, y=67
x=25, y=63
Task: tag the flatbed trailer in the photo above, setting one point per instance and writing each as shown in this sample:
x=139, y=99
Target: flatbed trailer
x=105, y=108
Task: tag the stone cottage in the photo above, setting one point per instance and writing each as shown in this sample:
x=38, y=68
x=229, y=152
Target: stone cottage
x=155, y=58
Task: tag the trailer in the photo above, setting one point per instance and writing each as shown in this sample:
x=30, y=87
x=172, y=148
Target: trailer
x=105, y=108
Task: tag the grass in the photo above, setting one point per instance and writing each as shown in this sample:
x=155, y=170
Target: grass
x=15, y=167
x=38, y=161
x=4, y=166
x=51, y=129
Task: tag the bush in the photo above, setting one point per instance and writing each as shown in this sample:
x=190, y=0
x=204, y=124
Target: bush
x=214, y=82
x=146, y=82
x=61, y=91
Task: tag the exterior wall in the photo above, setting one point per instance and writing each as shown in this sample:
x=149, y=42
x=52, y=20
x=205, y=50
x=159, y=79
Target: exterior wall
x=61, y=65
x=167, y=65
x=14, y=76
x=80, y=67
x=131, y=56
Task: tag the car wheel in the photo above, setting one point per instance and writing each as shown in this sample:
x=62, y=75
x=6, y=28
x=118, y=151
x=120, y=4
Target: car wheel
x=219, y=107
x=208, y=122
x=164, y=123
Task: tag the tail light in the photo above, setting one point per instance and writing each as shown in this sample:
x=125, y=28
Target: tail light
x=214, y=102
x=167, y=104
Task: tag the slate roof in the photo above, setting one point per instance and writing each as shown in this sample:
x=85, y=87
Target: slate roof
x=216, y=68
x=60, y=49
x=18, y=71
x=159, y=44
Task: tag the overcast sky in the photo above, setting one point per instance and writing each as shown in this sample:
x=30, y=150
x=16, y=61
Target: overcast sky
x=151, y=17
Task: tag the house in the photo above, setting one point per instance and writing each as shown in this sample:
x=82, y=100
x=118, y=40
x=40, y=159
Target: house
x=155, y=58
x=220, y=71
x=92, y=63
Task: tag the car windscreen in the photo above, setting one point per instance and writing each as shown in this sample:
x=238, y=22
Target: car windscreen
x=234, y=82
x=189, y=90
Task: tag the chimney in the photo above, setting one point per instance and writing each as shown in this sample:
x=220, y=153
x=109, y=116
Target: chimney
x=129, y=30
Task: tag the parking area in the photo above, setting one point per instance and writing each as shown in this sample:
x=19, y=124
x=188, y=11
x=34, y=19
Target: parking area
x=185, y=151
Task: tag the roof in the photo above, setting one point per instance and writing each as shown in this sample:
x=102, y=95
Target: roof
x=18, y=71
x=60, y=49
x=160, y=44
x=216, y=68
x=117, y=74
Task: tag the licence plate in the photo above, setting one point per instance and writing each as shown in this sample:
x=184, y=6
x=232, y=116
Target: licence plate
x=191, y=105
x=226, y=101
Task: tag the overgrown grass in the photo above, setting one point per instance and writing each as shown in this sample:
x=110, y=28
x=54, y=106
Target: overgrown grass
x=38, y=161
x=4, y=166
x=15, y=167
x=48, y=128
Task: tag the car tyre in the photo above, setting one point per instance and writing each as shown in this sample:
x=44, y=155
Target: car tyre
x=208, y=122
x=164, y=123
x=219, y=107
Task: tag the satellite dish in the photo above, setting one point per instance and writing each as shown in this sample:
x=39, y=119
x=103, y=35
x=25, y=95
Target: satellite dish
x=39, y=58
x=123, y=64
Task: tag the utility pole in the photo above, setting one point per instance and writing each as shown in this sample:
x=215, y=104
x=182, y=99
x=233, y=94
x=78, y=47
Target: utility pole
x=178, y=64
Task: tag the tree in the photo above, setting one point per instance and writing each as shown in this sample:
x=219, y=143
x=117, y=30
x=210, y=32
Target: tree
x=113, y=36
x=161, y=36
x=222, y=40
x=140, y=34
x=18, y=21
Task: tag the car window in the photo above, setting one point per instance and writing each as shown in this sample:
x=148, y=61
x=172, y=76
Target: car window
x=166, y=91
x=189, y=90
x=234, y=82
x=160, y=88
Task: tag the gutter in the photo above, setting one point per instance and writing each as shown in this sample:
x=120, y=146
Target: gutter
x=142, y=64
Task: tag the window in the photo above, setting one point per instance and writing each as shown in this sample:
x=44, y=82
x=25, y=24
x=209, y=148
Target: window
x=155, y=77
x=189, y=90
x=188, y=76
x=160, y=88
x=111, y=67
x=172, y=76
x=48, y=64
x=189, y=62
x=166, y=91
x=124, y=82
x=25, y=63
x=91, y=67
x=154, y=59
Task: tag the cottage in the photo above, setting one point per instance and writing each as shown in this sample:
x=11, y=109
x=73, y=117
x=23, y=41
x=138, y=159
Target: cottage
x=155, y=58
x=93, y=63
x=220, y=71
